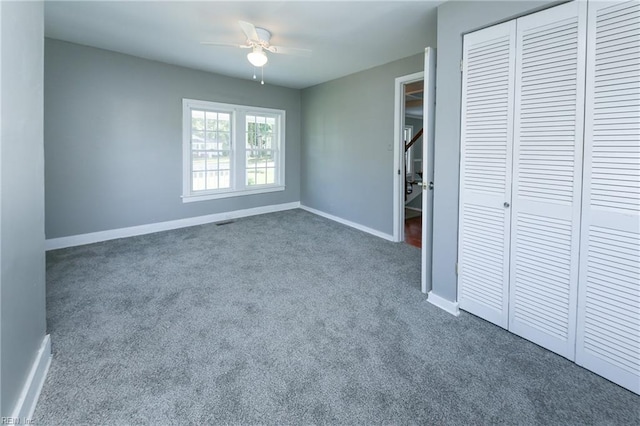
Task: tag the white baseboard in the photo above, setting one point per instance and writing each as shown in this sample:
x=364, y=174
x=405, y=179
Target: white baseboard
x=26, y=404
x=349, y=223
x=444, y=304
x=112, y=234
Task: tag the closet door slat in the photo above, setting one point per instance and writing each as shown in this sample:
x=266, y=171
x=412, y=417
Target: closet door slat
x=485, y=172
x=547, y=166
x=608, y=326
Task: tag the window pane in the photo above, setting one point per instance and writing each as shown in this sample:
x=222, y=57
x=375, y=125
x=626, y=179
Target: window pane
x=224, y=179
x=260, y=167
x=261, y=162
x=251, y=177
x=260, y=132
x=197, y=181
x=197, y=120
x=268, y=158
x=212, y=121
x=224, y=122
x=224, y=159
x=198, y=160
x=250, y=130
x=252, y=157
x=212, y=160
x=211, y=141
x=257, y=175
x=224, y=140
x=260, y=158
x=212, y=180
x=271, y=175
x=261, y=176
x=267, y=141
x=210, y=150
x=197, y=140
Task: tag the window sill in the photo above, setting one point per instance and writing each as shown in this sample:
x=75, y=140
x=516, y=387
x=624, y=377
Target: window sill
x=231, y=193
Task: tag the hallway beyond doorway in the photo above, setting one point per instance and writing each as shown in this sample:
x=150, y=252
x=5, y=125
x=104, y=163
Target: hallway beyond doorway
x=413, y=227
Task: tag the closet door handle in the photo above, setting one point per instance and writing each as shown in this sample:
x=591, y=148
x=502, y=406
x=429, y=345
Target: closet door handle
x=506, y=204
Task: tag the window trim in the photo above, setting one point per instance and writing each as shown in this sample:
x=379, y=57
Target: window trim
x=237, y=153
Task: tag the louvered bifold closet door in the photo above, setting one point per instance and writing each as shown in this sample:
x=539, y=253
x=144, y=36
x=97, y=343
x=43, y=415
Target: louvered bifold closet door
x=485, y=172
x=608, y=336
x=547, y=176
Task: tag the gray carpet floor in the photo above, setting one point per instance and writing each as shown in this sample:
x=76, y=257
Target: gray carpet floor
x=288, y=318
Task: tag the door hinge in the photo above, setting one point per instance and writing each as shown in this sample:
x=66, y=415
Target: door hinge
x=457, y=268
x=399, y=171
x=461, y=65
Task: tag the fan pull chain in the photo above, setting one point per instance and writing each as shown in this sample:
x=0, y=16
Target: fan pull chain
x=262, y=77
x=254, y=73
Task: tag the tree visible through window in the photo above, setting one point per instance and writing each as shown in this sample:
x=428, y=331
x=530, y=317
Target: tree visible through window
x=261, y=144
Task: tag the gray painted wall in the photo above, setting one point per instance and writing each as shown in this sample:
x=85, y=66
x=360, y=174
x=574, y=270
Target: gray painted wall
x=22, y=263
x=347, y=148
x=113, y=141
x=456, y=18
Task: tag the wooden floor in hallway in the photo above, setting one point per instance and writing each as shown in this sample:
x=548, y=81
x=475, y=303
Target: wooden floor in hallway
x=413, y=231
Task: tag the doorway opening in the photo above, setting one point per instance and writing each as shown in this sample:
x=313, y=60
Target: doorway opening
x=408, y=149
x=413, y=172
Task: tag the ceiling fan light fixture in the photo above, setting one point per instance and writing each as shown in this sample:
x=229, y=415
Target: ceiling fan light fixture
x=257, y=57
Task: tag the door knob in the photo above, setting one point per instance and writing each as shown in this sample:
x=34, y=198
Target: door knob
x=427, y=186
x=506, y=204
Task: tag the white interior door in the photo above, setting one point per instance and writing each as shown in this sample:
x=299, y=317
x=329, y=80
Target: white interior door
x=547, y=176
x=428, y=135
x=608, y=334
x=485, y=172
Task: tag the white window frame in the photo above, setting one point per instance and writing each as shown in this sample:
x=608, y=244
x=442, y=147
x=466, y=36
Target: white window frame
x=238, y=150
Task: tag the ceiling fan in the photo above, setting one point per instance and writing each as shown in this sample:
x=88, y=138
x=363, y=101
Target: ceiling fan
x=258, y=41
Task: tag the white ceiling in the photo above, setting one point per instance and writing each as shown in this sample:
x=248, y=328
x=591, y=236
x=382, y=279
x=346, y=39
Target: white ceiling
x=345, y=36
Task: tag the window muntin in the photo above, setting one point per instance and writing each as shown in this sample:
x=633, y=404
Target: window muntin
x=231, y=150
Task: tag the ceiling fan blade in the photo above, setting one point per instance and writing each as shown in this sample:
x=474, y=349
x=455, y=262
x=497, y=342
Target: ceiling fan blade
x=290, y=50
x=215, y=43
x=249, y=30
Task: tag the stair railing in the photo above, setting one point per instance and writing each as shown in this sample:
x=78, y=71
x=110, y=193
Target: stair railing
x=408, y=185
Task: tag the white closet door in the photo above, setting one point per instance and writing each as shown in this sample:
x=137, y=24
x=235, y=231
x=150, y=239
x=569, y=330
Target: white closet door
x=608, y=336
x=485, y=171
x=547, y=176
